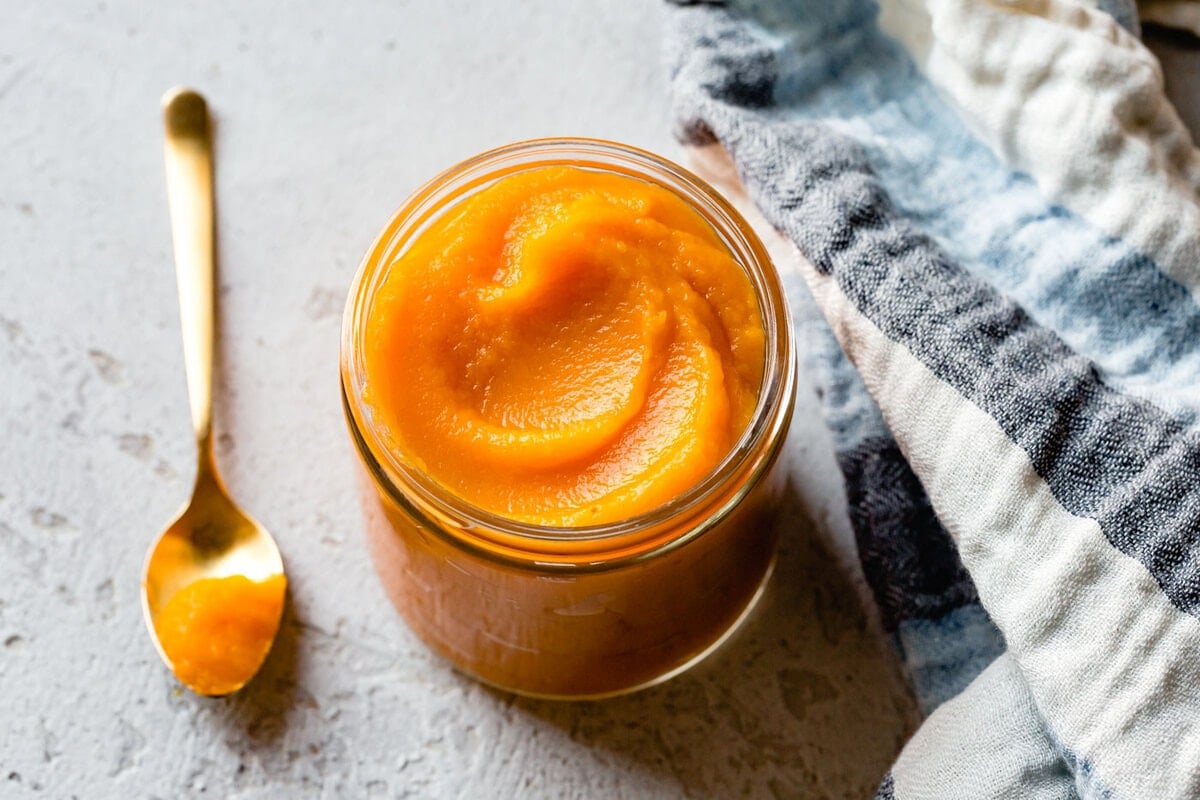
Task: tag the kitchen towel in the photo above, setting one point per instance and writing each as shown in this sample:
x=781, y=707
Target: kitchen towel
x=996, y=214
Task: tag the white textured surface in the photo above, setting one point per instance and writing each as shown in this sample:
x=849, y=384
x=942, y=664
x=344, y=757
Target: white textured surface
x=325, y=122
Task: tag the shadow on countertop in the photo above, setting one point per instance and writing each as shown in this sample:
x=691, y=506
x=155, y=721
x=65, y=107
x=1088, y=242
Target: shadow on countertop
x=804, y=701
x=1179, y=53
x=260, y=711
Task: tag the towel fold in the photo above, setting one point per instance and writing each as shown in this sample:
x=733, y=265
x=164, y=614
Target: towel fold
x=997, y=218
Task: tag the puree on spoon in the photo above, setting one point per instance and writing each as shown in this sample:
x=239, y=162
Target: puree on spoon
x=217, y=631
x=565, y=347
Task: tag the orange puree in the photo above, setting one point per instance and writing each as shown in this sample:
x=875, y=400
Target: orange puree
x=217, y=631
x=565, y=347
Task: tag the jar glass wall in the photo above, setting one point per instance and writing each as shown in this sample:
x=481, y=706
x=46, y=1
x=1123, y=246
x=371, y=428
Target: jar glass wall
x=590, y=610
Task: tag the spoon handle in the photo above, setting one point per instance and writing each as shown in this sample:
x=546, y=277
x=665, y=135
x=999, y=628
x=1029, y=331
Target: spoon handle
x=190, y=198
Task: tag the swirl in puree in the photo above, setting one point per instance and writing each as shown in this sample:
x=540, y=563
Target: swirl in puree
x=565, y=347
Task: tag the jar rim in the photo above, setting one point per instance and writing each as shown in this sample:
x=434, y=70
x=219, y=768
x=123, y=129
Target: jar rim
x=524, y=540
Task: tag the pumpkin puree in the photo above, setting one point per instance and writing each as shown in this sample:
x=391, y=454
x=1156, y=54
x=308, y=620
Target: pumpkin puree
x=565, y=347
x=217, y=631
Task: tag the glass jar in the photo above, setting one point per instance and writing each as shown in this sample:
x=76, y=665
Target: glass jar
x=589, y=611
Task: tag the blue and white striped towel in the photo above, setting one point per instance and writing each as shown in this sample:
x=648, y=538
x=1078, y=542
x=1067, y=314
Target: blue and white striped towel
x=997, y=214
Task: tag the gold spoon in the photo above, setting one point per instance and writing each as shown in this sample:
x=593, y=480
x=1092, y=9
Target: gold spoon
x=213, y=587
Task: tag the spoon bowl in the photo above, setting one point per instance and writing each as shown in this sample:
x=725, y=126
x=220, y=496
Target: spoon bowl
x=213, y=585
x=210, y=538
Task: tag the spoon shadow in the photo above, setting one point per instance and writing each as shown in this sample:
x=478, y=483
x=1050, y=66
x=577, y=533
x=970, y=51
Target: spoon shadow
x=260, y=711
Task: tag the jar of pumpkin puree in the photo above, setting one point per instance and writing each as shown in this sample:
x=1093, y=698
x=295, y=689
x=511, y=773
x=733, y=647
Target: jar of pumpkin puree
x=568, y=370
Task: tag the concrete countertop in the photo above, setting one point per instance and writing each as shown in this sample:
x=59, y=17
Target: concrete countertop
x=325, y=121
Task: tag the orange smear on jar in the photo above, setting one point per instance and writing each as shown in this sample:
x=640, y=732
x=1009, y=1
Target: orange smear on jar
x=565, y=347
x=217, y=631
